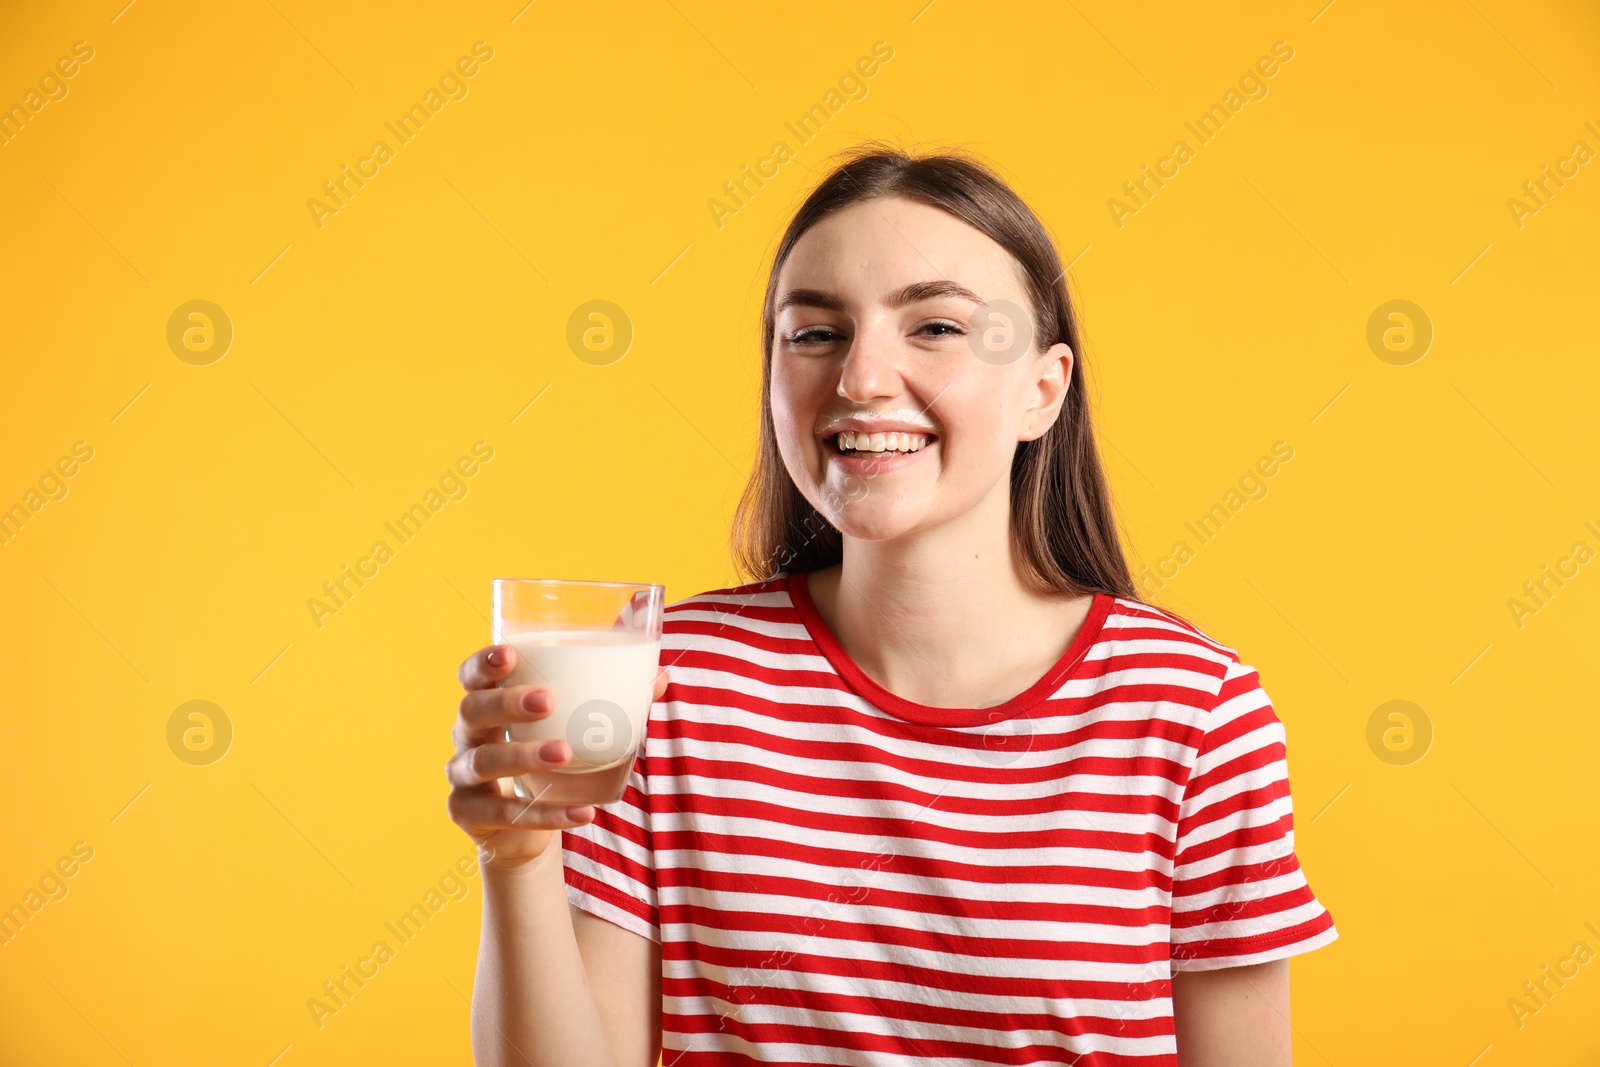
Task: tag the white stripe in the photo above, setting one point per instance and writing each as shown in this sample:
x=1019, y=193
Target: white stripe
x=631, y=887
x=729, y=645
x=1015, y=859
x=1021, y=743
x=785, y=977
x=1255, y=926
x=775, y=598
x=851, y=881
x=605, y=910
x=937, y=792
x=1181, y=643
x=1196, y=681
x=763, y=946
x=827, y=922
x=1276, y=952
x=1166, y=620
x=733, y=622
x=729, y=1042
x=1230, y=900
x=738, y=688
x=1228, y=826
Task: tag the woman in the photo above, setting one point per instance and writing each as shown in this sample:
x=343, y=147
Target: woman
x=934, y=785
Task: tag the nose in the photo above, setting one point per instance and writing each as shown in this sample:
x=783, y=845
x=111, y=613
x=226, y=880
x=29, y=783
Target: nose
x=870, y=370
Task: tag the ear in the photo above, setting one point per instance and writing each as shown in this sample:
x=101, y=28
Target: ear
x=1050, y=391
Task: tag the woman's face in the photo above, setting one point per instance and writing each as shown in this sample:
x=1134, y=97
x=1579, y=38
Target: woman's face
x=893, y=315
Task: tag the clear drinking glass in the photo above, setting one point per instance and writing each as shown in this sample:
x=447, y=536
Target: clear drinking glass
x=596, y=646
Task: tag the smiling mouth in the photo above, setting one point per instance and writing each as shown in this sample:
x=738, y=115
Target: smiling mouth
x=850, y=443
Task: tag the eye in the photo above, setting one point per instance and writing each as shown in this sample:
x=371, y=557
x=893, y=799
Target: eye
x=821, y=335
x=817, y=335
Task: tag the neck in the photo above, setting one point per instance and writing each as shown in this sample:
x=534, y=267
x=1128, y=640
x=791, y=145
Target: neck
x=941, y=617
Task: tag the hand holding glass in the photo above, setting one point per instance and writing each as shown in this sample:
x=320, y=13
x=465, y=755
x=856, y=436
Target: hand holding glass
x=596, y=646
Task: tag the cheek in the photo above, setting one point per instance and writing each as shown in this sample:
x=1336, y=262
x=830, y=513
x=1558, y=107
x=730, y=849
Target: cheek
x=794, y=413
x=785, y=405
x=980, y=437
x=974, y=412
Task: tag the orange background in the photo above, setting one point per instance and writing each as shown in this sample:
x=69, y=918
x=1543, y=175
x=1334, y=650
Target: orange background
x=431, y=311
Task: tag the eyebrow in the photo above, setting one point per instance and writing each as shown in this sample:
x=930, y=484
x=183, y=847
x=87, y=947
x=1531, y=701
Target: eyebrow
x=821, y=298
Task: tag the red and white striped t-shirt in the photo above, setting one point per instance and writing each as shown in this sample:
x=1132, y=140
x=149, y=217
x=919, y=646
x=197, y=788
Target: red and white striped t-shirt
x=837, y=875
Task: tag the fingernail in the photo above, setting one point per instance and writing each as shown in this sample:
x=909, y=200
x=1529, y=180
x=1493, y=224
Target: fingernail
x=553, y=750
x=497, y=657
x=533, y=700
x=581, y=813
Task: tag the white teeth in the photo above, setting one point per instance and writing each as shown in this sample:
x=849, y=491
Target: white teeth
x=894, y=441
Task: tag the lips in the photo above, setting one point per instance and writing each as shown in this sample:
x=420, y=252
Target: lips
x=897, y=420
x=870, y=463
x=878, y=441
x=850, y=441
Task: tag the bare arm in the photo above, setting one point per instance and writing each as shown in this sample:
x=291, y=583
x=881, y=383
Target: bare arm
x=625, y=973
x=555, y=987
x=532, y=1003
x=1233, y=1017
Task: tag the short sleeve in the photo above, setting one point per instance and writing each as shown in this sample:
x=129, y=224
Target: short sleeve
x=609, y=862
x=1239, y=896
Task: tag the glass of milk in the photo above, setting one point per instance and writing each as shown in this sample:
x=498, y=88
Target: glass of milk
x=596, y=646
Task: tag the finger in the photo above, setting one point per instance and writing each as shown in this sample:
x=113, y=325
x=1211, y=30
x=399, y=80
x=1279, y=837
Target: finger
x=505, y=759
x=482, y=813
x=483, y=712
x=487, y=667
x=661, y=683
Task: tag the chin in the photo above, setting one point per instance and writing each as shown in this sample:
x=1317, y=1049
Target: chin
x=873, y=524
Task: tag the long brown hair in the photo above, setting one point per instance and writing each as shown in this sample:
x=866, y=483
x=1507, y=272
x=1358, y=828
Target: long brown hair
x=1063, y=531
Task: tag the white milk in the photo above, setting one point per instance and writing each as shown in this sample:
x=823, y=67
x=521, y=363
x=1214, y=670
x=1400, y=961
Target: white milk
x=608, y=678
